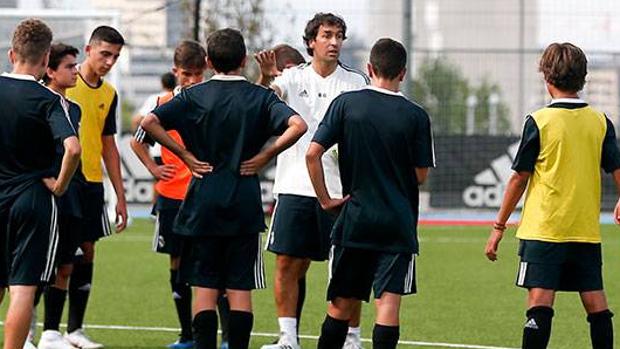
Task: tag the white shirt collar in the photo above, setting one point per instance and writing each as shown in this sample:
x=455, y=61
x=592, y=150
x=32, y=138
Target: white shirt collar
x=223, y=77
x=568, y=100
x=383, y=90
x=19, y=76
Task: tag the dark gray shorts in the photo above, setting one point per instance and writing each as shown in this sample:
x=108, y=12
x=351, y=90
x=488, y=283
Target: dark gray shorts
x=354, y=272
x=300, y=228
x=216, y=262
x=28, y=238
x=568, y=266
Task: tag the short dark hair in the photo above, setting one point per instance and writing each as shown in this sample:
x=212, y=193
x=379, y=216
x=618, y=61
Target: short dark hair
x=226, y=49
x=168, y=81
x=286, y=55
x=31, y=40
x=58, y=51
x=564, y=66
x=107, y=34
x=388, y=58
x=189, y=54
x=313, y=25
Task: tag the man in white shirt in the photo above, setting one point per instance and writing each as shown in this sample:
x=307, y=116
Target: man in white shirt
x=300, y=229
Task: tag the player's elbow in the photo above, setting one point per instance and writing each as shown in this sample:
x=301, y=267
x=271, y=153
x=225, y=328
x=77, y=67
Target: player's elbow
x=314, y=153
x=72, y=147
x=299, y=125
x=148, y=122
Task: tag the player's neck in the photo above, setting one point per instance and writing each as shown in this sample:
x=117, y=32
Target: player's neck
x=390, y=85
x=236, y=72
x=89, y=75
x=60, y=90
x=27, y=69
x=324, y=68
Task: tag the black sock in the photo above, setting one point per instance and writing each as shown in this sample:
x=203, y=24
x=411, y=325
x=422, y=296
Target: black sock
x=223, y=309
x=537, y=329
x=301, y=298
x=239, y=329
x=54, y=303
x=37, y=295
x=601, y=329
x=182, y=296
x=79, y=291
x=333, y=333
x=385, y=337
x=205, y=329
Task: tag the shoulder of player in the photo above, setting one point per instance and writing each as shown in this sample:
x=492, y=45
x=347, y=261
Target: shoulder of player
x=355, y=73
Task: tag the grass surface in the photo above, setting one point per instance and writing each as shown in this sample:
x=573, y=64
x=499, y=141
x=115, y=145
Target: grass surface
x=462, y=298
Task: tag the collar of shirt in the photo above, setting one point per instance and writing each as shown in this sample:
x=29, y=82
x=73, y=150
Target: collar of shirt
x=568, y=100
x=223, y=77
x=19, y=76
x=383, y=90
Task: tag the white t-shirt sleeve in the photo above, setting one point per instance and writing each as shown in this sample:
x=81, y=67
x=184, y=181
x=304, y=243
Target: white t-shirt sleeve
x=149, y=104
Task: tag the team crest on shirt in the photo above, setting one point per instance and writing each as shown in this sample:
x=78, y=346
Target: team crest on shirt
x=322, y=95
x=101, y=106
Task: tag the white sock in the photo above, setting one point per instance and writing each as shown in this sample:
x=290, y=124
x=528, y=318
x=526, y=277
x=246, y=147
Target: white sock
x=288, y=326
x=356, y=331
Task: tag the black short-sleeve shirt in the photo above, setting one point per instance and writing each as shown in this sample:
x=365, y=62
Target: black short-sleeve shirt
x=382, y=137
x=33, y=121
x=224, y=122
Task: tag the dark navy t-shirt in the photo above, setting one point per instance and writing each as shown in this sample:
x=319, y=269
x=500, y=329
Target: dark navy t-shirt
x=33, y=121
x=382, y=137
x=224, y=122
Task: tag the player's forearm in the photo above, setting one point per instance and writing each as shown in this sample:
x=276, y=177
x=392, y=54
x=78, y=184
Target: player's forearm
x=315, y=170
x=112, y=161
x=264, y=80
x=514, y=191
x=152, y=126
x=142, y=152
x=421, y=174
x=69, y=164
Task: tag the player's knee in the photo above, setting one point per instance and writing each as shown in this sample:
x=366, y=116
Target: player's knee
x=289, y=268
x=63, y=274
x=88, y=250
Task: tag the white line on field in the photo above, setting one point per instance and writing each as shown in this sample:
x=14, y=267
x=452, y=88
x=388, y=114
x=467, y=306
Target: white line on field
x=274, y=335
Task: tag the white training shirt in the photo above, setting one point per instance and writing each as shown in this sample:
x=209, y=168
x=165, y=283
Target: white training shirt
x=310, y=95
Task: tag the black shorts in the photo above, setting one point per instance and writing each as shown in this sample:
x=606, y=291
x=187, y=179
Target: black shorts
x=568, y=266
x=234, y=262
x=70, y=231
x=165, y=240
x=300, y=228
x=96, y=222
x=28, y=237
x=354, y=272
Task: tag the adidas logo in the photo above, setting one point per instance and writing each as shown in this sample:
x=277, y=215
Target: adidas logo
x=531, y=323
x=489, y=184
x=101, y=106
x=303, y=93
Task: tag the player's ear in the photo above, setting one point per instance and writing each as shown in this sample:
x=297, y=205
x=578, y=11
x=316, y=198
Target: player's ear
x=371, y=72
x=402, y=74
x=242, y=65
x=87, y=49
x=210, y=64
x=11, y=54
